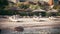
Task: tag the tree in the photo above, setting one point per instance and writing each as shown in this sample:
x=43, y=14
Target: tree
x=43, y=5
x=22, y=6
x=3, y=3
x=56, y=7
x=34, y=6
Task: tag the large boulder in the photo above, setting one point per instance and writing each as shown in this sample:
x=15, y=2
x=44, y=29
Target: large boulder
x=19, y=29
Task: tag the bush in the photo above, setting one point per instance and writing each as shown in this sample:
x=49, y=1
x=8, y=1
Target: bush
x=22, y=6
x=58, y=13
x=7, y=12
x=56, y=7
x=3, y=3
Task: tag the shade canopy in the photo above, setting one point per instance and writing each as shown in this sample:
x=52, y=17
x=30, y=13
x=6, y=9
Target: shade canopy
x=53, y=10
x=39, y=10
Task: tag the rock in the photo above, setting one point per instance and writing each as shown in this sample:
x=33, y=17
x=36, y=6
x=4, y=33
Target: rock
x=19, y=29
x=0, y=30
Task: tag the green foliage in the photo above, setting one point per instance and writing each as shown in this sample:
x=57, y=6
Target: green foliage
x=7, y=12
x=56, y=7
x=3, y=3
x=58, y=13
x=22, y=6
x=34, y=7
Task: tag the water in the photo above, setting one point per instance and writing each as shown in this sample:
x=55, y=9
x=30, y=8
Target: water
x=33, y=31
x=30, y=30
